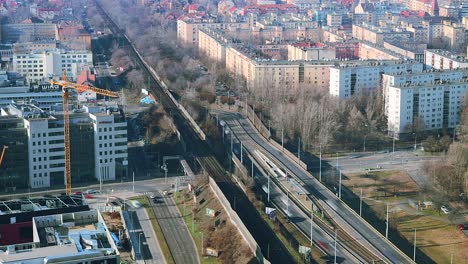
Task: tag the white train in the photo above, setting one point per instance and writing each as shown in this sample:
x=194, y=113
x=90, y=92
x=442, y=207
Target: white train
x=270, y=166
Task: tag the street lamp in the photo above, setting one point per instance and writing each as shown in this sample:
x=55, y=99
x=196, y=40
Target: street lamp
x=164, y=168
x=139, y=243
x=365, y=143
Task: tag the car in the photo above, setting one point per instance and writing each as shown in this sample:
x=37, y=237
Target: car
x=91, y=191
x=165, y=193
x=77, y=193
x=152, y=196
x=444, y=209
x=461, y=227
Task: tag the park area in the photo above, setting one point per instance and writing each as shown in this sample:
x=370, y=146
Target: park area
x=436, y=234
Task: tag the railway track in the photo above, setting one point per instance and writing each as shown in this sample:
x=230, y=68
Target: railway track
x=202, y=152
x=349, y=243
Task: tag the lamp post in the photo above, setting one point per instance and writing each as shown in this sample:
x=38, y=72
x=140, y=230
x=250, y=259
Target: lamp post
x=320, y=174
x=139, y=243
x=164, y=168
x=365, y=143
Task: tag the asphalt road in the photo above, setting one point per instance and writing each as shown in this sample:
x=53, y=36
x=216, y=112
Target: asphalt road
x=345, y=218
x=175, y=231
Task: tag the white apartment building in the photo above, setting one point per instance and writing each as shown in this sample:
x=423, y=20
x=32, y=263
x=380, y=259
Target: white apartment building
x=357, y=79
x=110, y=144
x=40, y=65
x=419, y=78
x=438, y=104
x=444, y=60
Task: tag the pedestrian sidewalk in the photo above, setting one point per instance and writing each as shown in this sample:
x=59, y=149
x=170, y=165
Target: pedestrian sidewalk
x=151, y=239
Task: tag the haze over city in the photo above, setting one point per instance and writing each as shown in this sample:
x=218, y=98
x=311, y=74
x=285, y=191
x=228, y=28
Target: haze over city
x=230, y=131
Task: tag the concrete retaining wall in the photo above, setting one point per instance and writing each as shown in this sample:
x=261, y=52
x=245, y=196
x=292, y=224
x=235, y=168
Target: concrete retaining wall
x=237, y=222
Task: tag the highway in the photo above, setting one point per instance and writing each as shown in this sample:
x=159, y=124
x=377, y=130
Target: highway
x=175, y=231
x=343, y=216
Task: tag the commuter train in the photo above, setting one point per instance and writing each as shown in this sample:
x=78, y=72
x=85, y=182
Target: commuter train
x=270, y=166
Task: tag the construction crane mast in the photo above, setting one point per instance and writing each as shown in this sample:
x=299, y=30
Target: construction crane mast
x=66, y=87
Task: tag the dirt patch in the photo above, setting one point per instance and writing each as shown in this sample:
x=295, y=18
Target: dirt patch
x=114, y=223
x=437, y=239
x=218, y=232
x=382, y=184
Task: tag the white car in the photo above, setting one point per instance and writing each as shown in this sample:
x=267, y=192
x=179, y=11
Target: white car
x=444, y=209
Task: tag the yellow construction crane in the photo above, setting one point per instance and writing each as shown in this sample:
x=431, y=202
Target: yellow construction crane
x=3, y=155
x=66, y=86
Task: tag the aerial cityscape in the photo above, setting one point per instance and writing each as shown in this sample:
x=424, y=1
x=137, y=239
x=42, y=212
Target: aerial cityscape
x=233, y=131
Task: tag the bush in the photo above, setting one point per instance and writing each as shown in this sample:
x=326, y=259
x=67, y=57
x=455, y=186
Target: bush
x=431, y=144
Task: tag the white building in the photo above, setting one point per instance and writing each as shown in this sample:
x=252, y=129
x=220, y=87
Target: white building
x=444, y=60
x=40, y=65
x=438, y=104
x=357, y=79
x=110, y=144
x=105, y=132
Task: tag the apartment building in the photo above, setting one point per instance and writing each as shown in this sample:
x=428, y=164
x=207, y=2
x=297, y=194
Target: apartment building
x=187, y=28
x=429, y=6
x=212, y=44
x=438, y=104
x=40, y=65
x=359, y=78
x=370, y=51
x=334, y=20
x=419, y=78
x=310, y=51
x=443, y=59
x=98, y=145
x=377, y=35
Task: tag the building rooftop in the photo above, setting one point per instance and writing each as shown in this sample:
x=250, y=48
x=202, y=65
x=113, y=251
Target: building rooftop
x=451, y=55
x=63, y=237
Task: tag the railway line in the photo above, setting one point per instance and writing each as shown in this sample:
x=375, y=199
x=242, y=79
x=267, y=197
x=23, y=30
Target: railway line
x=354, y=249
x=344, y=217
x=198, y=147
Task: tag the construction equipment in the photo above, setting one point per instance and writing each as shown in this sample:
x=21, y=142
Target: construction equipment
x=3, y=155
x=66, y=86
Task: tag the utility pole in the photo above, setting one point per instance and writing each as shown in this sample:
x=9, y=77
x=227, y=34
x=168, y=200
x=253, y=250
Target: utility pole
x=133, y=181
x=287, y=205
x=268, y=187
x=242, y=160
x=337, y=160
x=311, y=226
x=229, y=97
x=282, y=138
x=339, y=187
x=232, y=142
x=320, y=174
x=364, y=143
x=253, y=114
x=393, y=144
x=335, y=246
x=269, y=129
x=414, y=251
x=299, y=151
x=386, y=228
x=252, y=167
x=360, y=204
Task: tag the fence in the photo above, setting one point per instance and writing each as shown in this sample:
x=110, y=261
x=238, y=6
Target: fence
x=238, y=222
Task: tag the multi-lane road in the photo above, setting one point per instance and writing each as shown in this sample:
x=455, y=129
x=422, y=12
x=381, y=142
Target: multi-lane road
x=343, y=216
x=175, y=231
